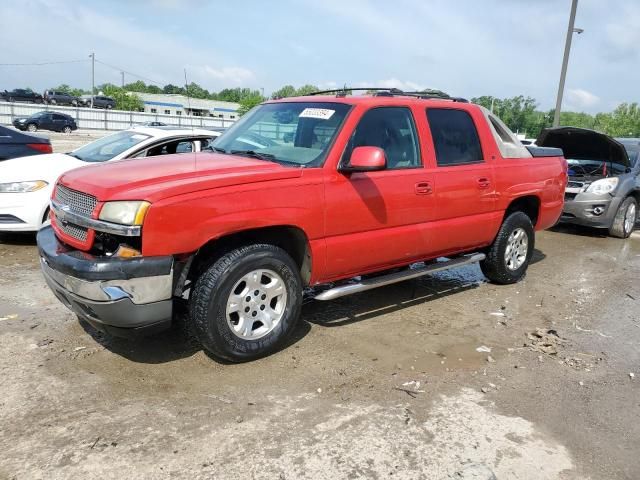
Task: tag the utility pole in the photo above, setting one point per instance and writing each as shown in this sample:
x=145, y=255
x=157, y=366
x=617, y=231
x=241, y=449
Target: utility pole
x=93, y=76
x=122, y=73
x=565, y=61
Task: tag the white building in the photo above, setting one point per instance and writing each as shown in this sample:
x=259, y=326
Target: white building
x=175, y=104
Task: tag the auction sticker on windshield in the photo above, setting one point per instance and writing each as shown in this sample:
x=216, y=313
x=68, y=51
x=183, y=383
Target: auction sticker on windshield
x=319, y=113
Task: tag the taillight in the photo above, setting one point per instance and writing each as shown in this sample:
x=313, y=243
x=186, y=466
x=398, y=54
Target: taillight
x=41, y=147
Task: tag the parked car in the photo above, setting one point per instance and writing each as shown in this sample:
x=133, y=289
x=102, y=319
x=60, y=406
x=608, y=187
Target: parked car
x=54, y=121
x=99, y=101
x=53, y=97
x=153, y=124
x=368, y=184
x=21, y=95
x=26, y=183
x=604, y=186
x=16, y=144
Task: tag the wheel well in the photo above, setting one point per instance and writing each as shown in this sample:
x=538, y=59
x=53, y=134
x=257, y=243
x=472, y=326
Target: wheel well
x=291, y=239
x=529, y=205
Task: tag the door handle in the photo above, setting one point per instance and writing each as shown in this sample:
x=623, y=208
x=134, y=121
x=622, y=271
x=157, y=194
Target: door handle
x=424, y=188
x=484, y=183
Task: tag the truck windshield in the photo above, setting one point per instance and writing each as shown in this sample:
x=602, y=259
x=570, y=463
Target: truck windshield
x=108, y=147
x=290, y=133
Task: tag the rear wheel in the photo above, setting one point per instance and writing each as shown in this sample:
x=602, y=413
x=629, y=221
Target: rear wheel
x=508, y=257
x=625, y=219
x=52, y=101
x=32, y=127
x=247, y=303
x=66, y=129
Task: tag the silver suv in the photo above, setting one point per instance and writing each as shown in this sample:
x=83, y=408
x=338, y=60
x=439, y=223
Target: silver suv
x=604, y=182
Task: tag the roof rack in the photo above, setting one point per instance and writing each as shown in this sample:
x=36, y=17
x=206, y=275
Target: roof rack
x=392, y=92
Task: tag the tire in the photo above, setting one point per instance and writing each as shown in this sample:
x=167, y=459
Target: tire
x=625, y=219
x=108, y=107
x=32, y=127
x=214, y=314
x=52, y=101
x=11, y=99
x=504, y=269
x=66, y=129
x=74, y=103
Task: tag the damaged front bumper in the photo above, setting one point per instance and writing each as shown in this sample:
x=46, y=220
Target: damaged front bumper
x=589, y=209
x=121, y=296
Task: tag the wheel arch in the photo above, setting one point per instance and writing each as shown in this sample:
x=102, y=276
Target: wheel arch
x=291, y=239
x=527, y=204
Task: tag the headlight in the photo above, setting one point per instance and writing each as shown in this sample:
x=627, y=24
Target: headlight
x=601, y=187
x=124, y=213
x=22, y=187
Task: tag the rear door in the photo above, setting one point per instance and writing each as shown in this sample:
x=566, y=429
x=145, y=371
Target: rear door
x=465, y=190
x=375, y=220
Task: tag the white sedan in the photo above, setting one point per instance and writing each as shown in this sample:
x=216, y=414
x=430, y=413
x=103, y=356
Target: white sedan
x=26, y=183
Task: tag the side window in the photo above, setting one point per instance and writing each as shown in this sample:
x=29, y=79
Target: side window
x=455, y=137
x=175, y=146
x=58, y=117
x=392, y=129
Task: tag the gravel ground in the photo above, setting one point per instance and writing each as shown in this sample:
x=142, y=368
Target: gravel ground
x=394, y=383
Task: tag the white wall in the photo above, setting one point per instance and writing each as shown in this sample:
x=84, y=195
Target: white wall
x=95, y=119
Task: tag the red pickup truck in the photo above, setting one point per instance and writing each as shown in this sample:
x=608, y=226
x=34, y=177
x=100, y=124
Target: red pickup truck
x=302, y=192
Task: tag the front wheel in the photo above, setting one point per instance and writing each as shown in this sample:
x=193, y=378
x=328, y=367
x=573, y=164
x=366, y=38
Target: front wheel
x=32, y=127
x=508, y=257
x=625, y=220
x=247, y=303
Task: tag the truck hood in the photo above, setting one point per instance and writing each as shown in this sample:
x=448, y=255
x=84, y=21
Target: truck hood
x=155, y=178
x=47, y=167
x=584, y=144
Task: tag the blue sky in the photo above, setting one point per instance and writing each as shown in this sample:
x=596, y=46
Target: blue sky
x=464, y=47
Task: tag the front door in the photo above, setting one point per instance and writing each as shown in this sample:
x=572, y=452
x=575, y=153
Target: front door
x=375, y=220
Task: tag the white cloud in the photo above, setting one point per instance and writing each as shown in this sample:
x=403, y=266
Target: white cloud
x=580, y=100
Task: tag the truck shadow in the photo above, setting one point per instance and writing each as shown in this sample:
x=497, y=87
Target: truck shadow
x=26, y=238
x=175, y=344
x=580, y=230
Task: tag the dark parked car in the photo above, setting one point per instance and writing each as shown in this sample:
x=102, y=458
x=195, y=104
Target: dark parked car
x=15, y=144
x=58, y=122
x=60, y=98
x=99, y=101
x=21, y=95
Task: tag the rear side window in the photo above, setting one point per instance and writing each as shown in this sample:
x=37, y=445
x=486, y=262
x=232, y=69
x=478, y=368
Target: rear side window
x=455, y=137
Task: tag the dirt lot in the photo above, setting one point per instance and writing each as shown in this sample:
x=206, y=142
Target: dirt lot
x=386, y=384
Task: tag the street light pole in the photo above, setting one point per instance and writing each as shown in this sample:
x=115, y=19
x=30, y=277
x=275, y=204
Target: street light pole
x=565, y=60
x=93, y=76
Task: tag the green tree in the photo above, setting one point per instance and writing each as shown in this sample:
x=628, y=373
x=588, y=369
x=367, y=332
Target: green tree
x=284, y=92
x=172, y=89
x=250, y=101
x=196, y=91
x=291, y=91
x=124, y=100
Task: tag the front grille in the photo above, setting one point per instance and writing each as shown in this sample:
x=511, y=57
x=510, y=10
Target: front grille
x=74, y=231
x=572, y=184
x=569, y=195
x=78, y=202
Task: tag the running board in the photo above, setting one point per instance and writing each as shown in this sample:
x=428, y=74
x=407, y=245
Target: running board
x=383, y=280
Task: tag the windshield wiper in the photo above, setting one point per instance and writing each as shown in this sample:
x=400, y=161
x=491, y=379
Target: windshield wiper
x=74, y=155
x=217, y=149
x=265, y=156
x=253, y=153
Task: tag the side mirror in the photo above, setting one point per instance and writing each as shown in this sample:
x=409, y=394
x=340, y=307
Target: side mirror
x=366, y=159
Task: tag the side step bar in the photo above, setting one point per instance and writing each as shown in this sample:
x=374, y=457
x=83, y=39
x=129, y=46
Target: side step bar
x=383, y=280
